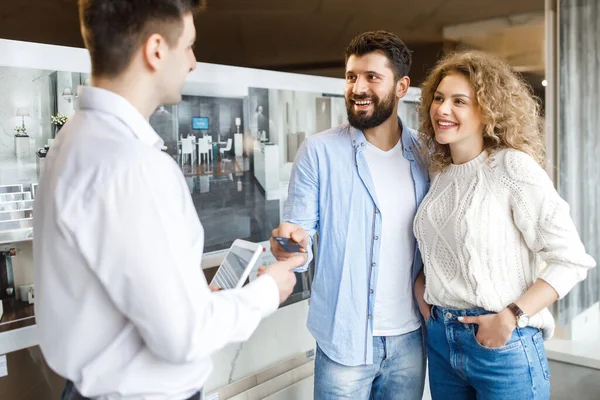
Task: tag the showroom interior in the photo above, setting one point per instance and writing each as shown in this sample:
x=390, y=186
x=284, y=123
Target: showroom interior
x=269, y=75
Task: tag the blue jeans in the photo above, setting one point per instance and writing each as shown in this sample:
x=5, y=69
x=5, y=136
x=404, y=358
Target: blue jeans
x=397, y=372
x=460, y=368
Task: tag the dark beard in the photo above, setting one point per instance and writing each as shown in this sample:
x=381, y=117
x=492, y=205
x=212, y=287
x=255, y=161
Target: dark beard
x=383, y=110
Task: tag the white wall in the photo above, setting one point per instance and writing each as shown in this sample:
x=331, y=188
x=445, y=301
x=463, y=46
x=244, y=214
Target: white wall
x=24, y=88
x=206, y=89
x=339, y=115
x=305, y=112
x=65, y=80
x=279, y=128
x=290, y=112
x=61, y=58
x=295, y=111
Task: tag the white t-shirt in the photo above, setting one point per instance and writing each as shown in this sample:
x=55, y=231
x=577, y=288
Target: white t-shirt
x=394, y=312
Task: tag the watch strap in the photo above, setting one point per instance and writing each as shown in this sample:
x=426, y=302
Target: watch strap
x=516, y=310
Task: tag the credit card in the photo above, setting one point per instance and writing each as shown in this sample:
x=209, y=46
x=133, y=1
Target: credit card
x=289, y=245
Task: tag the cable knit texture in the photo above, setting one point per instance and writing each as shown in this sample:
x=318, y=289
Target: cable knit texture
x=484, y=229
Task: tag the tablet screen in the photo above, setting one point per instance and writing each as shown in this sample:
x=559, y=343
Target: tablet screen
x=232, y=269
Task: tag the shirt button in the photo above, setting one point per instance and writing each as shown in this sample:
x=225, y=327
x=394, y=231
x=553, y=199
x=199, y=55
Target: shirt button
x=376, y=237
x=376, y=211
x=371, y=291
x=370, y=316
x=362, y=144
x=373, y=264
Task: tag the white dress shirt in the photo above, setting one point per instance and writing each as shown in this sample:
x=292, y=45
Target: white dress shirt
x=122, y=306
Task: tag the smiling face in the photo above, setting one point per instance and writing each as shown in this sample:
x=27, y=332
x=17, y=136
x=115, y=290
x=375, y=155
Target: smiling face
x=371, y=90
x=455, y=114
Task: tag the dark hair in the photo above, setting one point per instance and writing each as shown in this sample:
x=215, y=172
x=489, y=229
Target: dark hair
x=113, y=30
x=384, y=42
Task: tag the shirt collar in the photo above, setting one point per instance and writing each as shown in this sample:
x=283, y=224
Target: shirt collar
x=105, y=101
x=408, y=145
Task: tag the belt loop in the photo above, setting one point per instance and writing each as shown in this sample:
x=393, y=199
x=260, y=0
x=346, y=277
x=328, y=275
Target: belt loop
x=433, y=312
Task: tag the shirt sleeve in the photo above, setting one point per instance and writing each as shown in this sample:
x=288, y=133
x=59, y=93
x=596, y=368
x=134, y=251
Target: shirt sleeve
x=145, y=245
x=302, y=205
x=543, y=218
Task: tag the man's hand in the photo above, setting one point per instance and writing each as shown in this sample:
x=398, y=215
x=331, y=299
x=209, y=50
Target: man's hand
x=214, y=288
x=296, y=233
x=425, y=310
x=283, y=274
x=495, y=330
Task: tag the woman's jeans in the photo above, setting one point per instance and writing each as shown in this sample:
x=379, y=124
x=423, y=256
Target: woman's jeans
x=461, y=368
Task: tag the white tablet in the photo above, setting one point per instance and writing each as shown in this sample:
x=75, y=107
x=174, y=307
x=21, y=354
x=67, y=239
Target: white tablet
x=239, y=261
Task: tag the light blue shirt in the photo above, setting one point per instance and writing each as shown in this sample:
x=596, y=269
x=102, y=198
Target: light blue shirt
x=331, y=192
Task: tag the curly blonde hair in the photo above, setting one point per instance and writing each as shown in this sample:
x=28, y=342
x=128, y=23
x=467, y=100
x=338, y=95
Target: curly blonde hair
x=509, y=110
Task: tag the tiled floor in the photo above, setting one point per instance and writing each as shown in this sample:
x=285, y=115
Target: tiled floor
x=232, y=206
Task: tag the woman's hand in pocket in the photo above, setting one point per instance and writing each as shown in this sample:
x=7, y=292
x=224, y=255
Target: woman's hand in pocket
x=495, y=330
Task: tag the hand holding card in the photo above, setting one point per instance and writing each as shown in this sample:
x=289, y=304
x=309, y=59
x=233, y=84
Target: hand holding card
x=288, y=240
x=289, y=245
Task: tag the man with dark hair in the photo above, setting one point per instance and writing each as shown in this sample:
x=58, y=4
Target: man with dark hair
x=358, y=186
x=123, y=309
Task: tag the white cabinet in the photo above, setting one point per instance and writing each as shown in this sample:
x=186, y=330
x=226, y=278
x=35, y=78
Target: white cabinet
x=266, y=168
x=238, y=143
x=22, y=147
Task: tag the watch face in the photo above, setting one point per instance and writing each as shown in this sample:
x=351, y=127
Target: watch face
x=523, y=321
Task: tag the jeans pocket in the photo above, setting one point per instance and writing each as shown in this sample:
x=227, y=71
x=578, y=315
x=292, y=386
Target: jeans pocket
x=538, y=343
x=513, y=343
x=428, y=320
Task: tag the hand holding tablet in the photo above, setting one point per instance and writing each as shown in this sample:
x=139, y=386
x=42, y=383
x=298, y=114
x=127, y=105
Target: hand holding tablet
x=241, y=259
x=237, y=264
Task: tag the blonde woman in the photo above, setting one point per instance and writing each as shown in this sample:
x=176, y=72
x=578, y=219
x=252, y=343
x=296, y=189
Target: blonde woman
x=491, y=219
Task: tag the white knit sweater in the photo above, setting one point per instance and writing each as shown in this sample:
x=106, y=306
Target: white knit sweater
x=484, y=228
